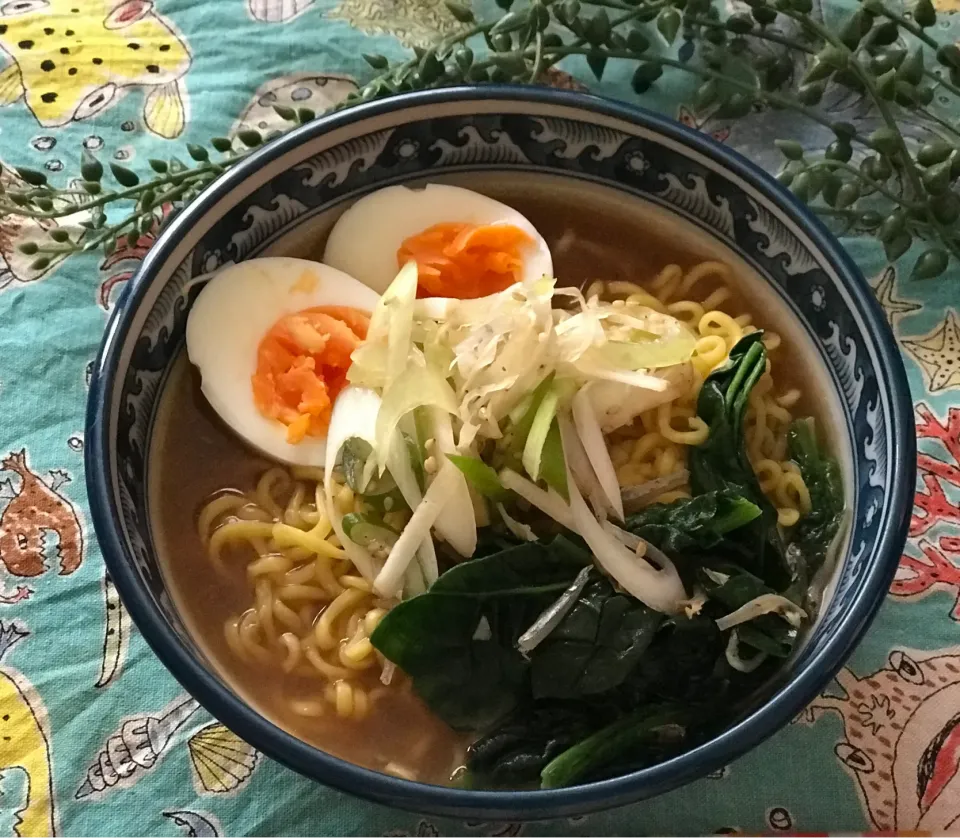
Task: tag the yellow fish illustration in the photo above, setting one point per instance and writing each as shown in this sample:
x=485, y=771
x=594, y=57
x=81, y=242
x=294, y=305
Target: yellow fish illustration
x=24, y=743
x=71, y=59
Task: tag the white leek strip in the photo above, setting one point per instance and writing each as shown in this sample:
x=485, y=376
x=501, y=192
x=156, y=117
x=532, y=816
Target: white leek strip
x=391, y=576
x=660, y=589
x=522, y=531
x=398, y=300
x=643, y=494
x=401, y=469
x=588, y=429
x=458, y=527
x=643, y=380
x=354, y=415
x=578, y=462
x=764, y=604
x=387, y=671
x=550, y=503
x=413, y=583
x=553, y=614
x=627, y=539
x=738, y=663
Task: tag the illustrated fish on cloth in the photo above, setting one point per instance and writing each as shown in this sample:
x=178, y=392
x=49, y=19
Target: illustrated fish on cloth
x=71, y=59
x=24, y=746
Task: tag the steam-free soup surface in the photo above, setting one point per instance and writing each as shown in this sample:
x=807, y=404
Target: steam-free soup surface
x=195, y=456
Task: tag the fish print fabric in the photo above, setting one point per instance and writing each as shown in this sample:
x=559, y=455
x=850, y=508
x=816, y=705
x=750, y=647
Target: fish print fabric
x=96, y=737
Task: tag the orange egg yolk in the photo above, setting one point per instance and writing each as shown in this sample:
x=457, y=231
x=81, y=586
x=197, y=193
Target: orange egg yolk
x=302, y=364
x=465, y=261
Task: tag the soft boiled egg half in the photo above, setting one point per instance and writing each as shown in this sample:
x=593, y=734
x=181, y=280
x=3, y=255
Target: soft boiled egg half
x=465, y=244
x=272, y=339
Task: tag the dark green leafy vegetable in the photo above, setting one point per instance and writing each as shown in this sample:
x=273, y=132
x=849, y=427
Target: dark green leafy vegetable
x=821, y=474
x=647, y=731
x=699, y=522
x=595, y=646
x=458, y=640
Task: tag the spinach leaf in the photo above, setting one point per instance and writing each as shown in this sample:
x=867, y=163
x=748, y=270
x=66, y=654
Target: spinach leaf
x=458, y=640
x=768, y=633
x=644, y=735
x=595, y=646
x=516, y=752
x=699, y=522
x=721, y=463
x=814, y=532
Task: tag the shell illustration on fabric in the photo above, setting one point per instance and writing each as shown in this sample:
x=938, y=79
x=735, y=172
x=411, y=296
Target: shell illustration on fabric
x=115, y=633
x=135, y=748
x=894, y=306
x=69, y=60
x=938, y=353
x=936, y=503
x=195, y=824
x=902, y=737
x=34, y=512
x=277, y=11
x=24, y=749
x=317, y=91
x=412, y=22
x=221, y=760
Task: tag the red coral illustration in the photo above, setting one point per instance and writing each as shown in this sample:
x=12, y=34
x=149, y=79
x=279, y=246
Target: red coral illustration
x=919, y=576
x=902, y=739
x=127, y=256
x=36, y=510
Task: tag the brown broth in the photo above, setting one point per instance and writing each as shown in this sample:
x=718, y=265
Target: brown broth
x=194, y=455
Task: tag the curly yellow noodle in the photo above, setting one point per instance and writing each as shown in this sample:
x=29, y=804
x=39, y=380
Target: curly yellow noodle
x=703, y=270
x=641, y=297
x=264, y=490
x=716, y=299
x=696, y=434
x=268, y=565
x=667, y=282
x=227, y=502
x=233, y=531
x=790, y=398
x=294, y=653
x=286, y=615
x=328, y=670
x=323, y=629
x=287, y=536
x=717, y=323
x=686, y=311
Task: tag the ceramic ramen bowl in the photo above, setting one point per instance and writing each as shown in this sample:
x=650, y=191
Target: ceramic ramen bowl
x=282, y=197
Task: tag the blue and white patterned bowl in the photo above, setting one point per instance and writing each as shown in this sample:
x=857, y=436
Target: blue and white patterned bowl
x=640, y=159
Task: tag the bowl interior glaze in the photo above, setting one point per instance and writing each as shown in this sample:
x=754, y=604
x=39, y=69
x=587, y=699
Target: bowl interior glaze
x=280, y=201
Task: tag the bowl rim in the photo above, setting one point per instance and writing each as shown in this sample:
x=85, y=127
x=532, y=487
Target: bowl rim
x=785, y=704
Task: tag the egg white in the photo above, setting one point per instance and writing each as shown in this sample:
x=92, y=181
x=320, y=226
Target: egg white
x=365, y=240
x=229, y=319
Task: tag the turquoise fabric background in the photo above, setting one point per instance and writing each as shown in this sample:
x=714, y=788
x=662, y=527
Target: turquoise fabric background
x=129, y=752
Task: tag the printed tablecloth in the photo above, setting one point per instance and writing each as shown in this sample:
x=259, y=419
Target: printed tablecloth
x=97, y=738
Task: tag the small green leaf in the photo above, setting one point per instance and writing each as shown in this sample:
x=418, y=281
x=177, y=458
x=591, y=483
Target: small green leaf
x=885, y=34
x=597, y=61
x=44, y=204
x=763, y=15
x=706, y=95
x=924, y=13
x=509, y=21
x=31, y=176
x=803, y=6
x=90, y=168
x=885, y=140
x=911, y=70
x=934, y=152
x=504, y=4
x=790, y=149
x=831, y=188
x=146, y=224
x=637, y=41
x=430, y=68
x=840, y=150
x=305, y=115
x=91, y=187
x=812, y=93
x=870, y=220
x=502, y=42
x=668, y=24
x=856, y=26
x=40, y=264
x=538, y=18
x=936, y=179
x=946, y=208
x=645, y=75
x=123, y=175
x=895, y=248
x=736, y=106
x=461, y=12
x=833, y=57
x=817, y=71
x=159, y=166
x=177, y=166
x=893, y=225
x=571, y=10
x=198, y=152
x=801, y=186
x=250, y=137
x=464, y=58
x=375, y=60
x=931, y=264
x=785, y=178
x=598, y=28
x=28, y=248
x=59, y=235
x=740, y=23
x=289, y=114
x=887, y=84
x=843, y=130
x=221, y=144
x=949, y=56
